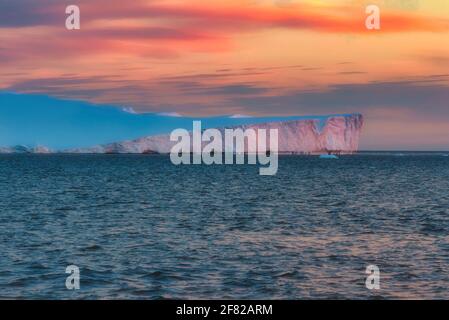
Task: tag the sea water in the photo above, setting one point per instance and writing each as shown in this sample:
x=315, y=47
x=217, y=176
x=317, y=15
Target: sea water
x=139, y=227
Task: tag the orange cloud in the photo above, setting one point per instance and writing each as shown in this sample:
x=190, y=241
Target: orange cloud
x=333, y=19
x=151, y=29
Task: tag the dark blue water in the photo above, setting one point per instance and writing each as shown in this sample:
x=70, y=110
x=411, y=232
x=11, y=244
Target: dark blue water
x=139, y=227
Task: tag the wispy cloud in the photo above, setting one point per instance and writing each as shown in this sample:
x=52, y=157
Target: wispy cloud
x=139, y=21
x=233, y=16
x=426, y=97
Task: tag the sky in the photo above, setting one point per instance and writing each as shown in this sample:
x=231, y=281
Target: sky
x=248, y=57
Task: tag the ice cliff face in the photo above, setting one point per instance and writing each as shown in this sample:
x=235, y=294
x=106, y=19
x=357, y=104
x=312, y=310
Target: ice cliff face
x=338, y=133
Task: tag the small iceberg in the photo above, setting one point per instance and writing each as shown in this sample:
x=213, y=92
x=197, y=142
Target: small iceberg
x=328, y=156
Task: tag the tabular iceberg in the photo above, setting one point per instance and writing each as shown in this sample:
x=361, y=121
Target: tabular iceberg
x=333, y=134
x=41, y=124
